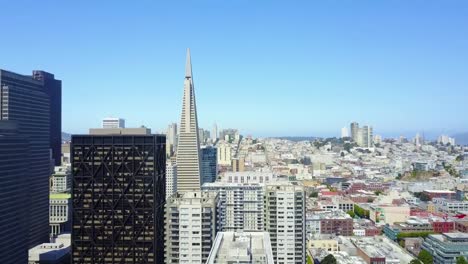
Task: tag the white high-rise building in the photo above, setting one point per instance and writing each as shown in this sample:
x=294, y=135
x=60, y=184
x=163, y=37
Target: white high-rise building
x=171, y=179
x=243, y=247
x=285, y=221
x=190, y=227
x=214, y=133
x=344, y=132
x=188, y=145
x=240, y=205
x=354, y=131
x=224, y=154
x=444, y=140
x=171, y=139
x=365, y=137
x=113, y=122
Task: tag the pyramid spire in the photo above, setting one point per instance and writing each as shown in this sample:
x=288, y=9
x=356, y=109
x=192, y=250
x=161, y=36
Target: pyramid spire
x=188, y=65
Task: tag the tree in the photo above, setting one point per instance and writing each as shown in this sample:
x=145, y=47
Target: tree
x=425, y=257
x=415, y=261
x=461, y=260
x=342, y=154
x=378, y=193
x=330, y=259
x=351, y=213
x=313, y=194
x=309, y=260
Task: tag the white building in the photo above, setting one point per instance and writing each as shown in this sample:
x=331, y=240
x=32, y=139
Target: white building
x=61, y=180
x=244, y=247
x=444, y=140
x=344, y=132
x=171, y=179
x=241, y=205
x=59, y=213
x=190, y=226
x=285, y=221
x=171, y=139
x=214, y=133
x=57, y=252
x=224, y=154
x=248, y=177
x=188, y=145
x=113, y=122
x=449, y=206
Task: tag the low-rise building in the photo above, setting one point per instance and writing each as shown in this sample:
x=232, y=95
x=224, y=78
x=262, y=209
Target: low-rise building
x=244, y=247
x=57, y=252
x=59, y=213
x=445, y=248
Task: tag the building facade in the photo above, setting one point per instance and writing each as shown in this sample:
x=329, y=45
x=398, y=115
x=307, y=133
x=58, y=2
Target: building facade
x=113, y=122
x=209, y=164
x=14, y=170
x=34, y=103
x=118, y=198
x=446, y=247
x=240, y=206
x=171, y=178
x=188, y=145
x=190, y=227
x=59, y=213
x=285, y=221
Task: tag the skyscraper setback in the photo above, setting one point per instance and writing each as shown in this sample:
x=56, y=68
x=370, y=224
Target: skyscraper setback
x=188, y=147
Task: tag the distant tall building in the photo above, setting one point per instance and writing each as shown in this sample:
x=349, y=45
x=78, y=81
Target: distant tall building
x=354, y=131
x=171, y=178
x=61, y=180
x=224, y=154
x=14, y=171
x=113, y=122
x=214, y=132
x=240, y=205
x=188, y=146
x=285, y=221
x=344, y=132
x=171, y=139
x=34, y=103
x=209, y=164
x=444, y=140
x=201, y=136
x=238, y=164
x=190, y=227
x=118, y=197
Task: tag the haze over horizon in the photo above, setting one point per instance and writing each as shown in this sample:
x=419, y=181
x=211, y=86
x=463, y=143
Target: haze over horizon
x=271, y=69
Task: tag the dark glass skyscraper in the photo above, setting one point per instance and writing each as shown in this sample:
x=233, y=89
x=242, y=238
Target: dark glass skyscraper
x=14, y=163
x=208, y=164
x=27, y=100
x=118, y=198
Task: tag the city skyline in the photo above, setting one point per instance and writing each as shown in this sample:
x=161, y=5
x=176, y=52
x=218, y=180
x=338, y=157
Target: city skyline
x=315, y=72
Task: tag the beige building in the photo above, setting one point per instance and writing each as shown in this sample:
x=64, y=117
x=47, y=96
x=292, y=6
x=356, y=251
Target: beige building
x=389, y=214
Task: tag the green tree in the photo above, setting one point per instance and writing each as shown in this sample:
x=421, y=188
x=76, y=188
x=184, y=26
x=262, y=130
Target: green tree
x=309, y=260
x=313, y=194
x=330, y=259
x=424, y=197
x=425, y=257
x=461, y=260
x=415, y=261
x=351, y=213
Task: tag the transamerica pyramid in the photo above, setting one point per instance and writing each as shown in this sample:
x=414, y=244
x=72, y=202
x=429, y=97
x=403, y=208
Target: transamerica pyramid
x=188, y=148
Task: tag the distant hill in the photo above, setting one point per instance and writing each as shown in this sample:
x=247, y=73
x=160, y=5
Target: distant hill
x=66, y=136
x=461, y=138
x=298, y=138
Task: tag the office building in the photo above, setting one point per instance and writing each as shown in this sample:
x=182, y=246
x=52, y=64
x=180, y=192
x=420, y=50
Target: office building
x=240, y=205
x=201, y=136
x=14, y=171
x=248, y=177
x=34, y=103
x=365, y=137
x=171, y=139
x=209, y=164
x=113, y=122
x=285, y=222
x=188, y=145
x=238, y=164
x=244, y=247
x=60, y=213
x=61, y=180
x=190, y=227
x=118, y=197
x=224, y=154
x=344, y=132
x=214, y=133
x=171, y=178
x=445, y=248
x=354, y=131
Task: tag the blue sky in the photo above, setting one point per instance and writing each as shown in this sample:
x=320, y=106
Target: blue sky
x=269, y=68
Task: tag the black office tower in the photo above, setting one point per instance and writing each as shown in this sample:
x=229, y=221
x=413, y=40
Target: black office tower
x=118, y=199
x=27, y=101
x=14, y=163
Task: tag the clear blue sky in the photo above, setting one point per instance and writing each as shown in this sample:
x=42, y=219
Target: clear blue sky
x=265, y=67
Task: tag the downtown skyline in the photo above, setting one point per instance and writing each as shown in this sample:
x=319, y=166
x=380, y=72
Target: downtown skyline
x=254, y=72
